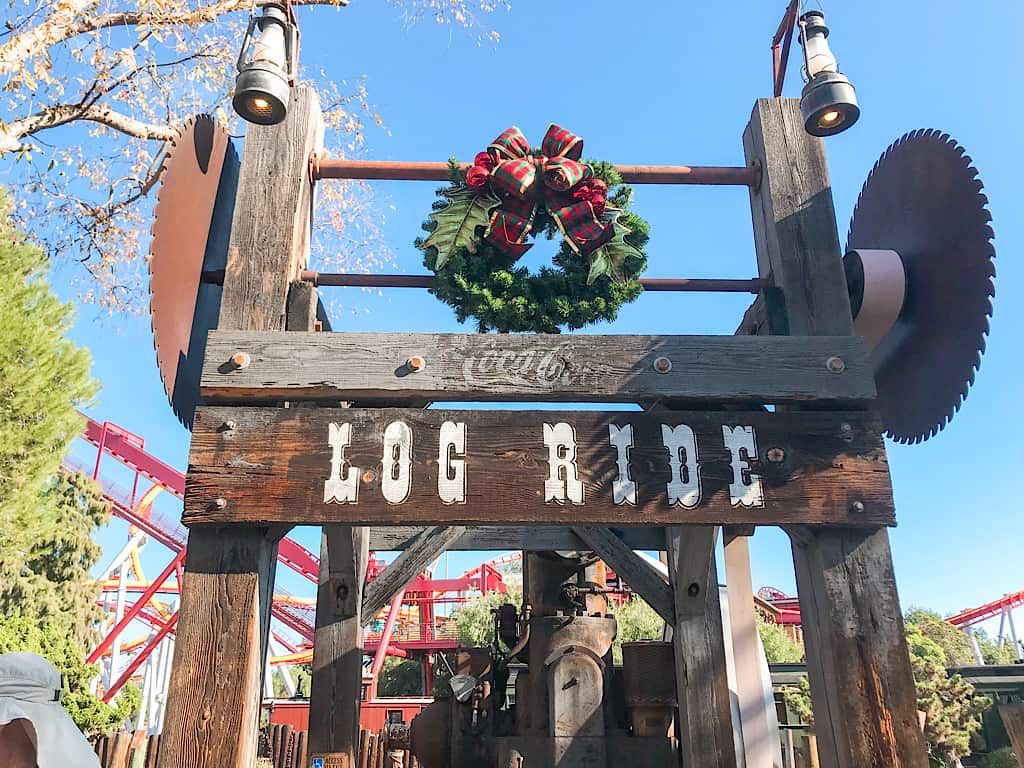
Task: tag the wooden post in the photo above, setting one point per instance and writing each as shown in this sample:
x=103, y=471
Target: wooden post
x=862, y=687
x=338, y=644
x=215, y=687
x=705, y=716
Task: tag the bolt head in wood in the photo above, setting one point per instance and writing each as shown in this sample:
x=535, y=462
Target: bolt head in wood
x=230, y=424
x=835, y=364
x=662, y=364
x=220, y=502
x=241, y=360
x=776, y=455
x=369, y=476
x=857, y=507
x=416, y=363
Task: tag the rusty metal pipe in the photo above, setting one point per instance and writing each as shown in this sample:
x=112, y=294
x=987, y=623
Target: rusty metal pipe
x=743, y=176
x=674, y=284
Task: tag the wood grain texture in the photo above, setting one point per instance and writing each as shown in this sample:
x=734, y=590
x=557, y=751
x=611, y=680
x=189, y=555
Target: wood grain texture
x=705, y=717
x=270, y=231
x=503, y=537
x=372, y=367
x=273, y=465
x=428, y=545
x=862, y=687
x=794, y=221
x=631, y=568
x=858, y=665
x=338, y=642
x=214, y=691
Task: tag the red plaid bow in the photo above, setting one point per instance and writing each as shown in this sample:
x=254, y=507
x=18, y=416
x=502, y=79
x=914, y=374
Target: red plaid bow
x=549, y=177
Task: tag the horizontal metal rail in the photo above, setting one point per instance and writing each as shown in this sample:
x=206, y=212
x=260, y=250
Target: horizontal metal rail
x=684, y=284
x=708, y=175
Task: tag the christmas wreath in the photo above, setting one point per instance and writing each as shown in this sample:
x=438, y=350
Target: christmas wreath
x=480, y=225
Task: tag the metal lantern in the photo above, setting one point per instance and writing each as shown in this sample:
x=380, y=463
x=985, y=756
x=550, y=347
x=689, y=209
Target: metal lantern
x=264, y=80
x=828, y=103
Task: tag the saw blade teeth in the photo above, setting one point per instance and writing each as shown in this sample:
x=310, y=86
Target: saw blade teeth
x=920, y=393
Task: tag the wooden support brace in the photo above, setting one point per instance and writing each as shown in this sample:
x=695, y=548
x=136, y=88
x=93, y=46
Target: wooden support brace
x=430, y=543
x=705, y=717
x=373, y=367
x=525, y=538
x=633, y=569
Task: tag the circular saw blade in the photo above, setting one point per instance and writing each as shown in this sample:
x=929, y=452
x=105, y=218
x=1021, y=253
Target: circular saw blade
x=923, y=199
x=192, y=222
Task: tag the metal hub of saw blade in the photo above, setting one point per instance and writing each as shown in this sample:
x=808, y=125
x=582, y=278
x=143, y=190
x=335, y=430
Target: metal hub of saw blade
x=923, y=199
x=192, y=223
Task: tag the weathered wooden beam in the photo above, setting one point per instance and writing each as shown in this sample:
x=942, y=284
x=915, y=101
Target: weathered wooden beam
x=632, y=568
x=544, y=467
x=213, y=700
x=369, y=367
x=338, y=643
x=705, y=716
x=214, y=694
x=429, y=544
x=534, y=538
x=862, y=688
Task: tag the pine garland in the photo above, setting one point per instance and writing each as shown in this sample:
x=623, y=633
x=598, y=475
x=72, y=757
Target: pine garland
x=480, y=281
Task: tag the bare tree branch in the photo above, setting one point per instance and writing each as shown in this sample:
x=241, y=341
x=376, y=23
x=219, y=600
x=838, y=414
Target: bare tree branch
x=64, y=25
x=11, y=134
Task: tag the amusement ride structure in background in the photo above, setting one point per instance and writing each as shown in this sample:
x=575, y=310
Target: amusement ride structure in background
x=417, y=625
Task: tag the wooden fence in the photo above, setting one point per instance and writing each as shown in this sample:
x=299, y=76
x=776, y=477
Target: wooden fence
x=286, y=748
x=281, y=746
x=117, y=750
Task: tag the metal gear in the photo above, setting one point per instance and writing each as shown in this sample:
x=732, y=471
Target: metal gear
x=191, y=227
x=923, y=199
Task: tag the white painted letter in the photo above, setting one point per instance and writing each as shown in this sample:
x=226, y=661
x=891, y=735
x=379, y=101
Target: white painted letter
x=451, y=473
x=684, y=486
x=561, y=442
x=745, y=488
x=623, y=487
x=335, y=489
x=396, y=475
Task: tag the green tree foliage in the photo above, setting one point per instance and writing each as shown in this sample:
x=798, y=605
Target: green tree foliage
x=43, y=376
x=400, y=677
x=956, y=643
x=48, y=639
x=636, y=621
x=474, y=619
x=47, y=600
x=778, y=646
x=1001, y=758
x=953, y=711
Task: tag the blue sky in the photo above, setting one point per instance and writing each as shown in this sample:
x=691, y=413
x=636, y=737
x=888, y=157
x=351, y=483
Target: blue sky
x=673, y=83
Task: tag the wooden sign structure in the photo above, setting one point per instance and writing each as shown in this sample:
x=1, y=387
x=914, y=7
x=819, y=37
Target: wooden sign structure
x=706, y=451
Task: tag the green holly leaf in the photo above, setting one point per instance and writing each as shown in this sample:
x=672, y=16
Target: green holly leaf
x=610, y=258
x=467, y=209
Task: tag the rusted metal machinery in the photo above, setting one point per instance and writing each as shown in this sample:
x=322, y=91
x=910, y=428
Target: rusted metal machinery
x=569, y=705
